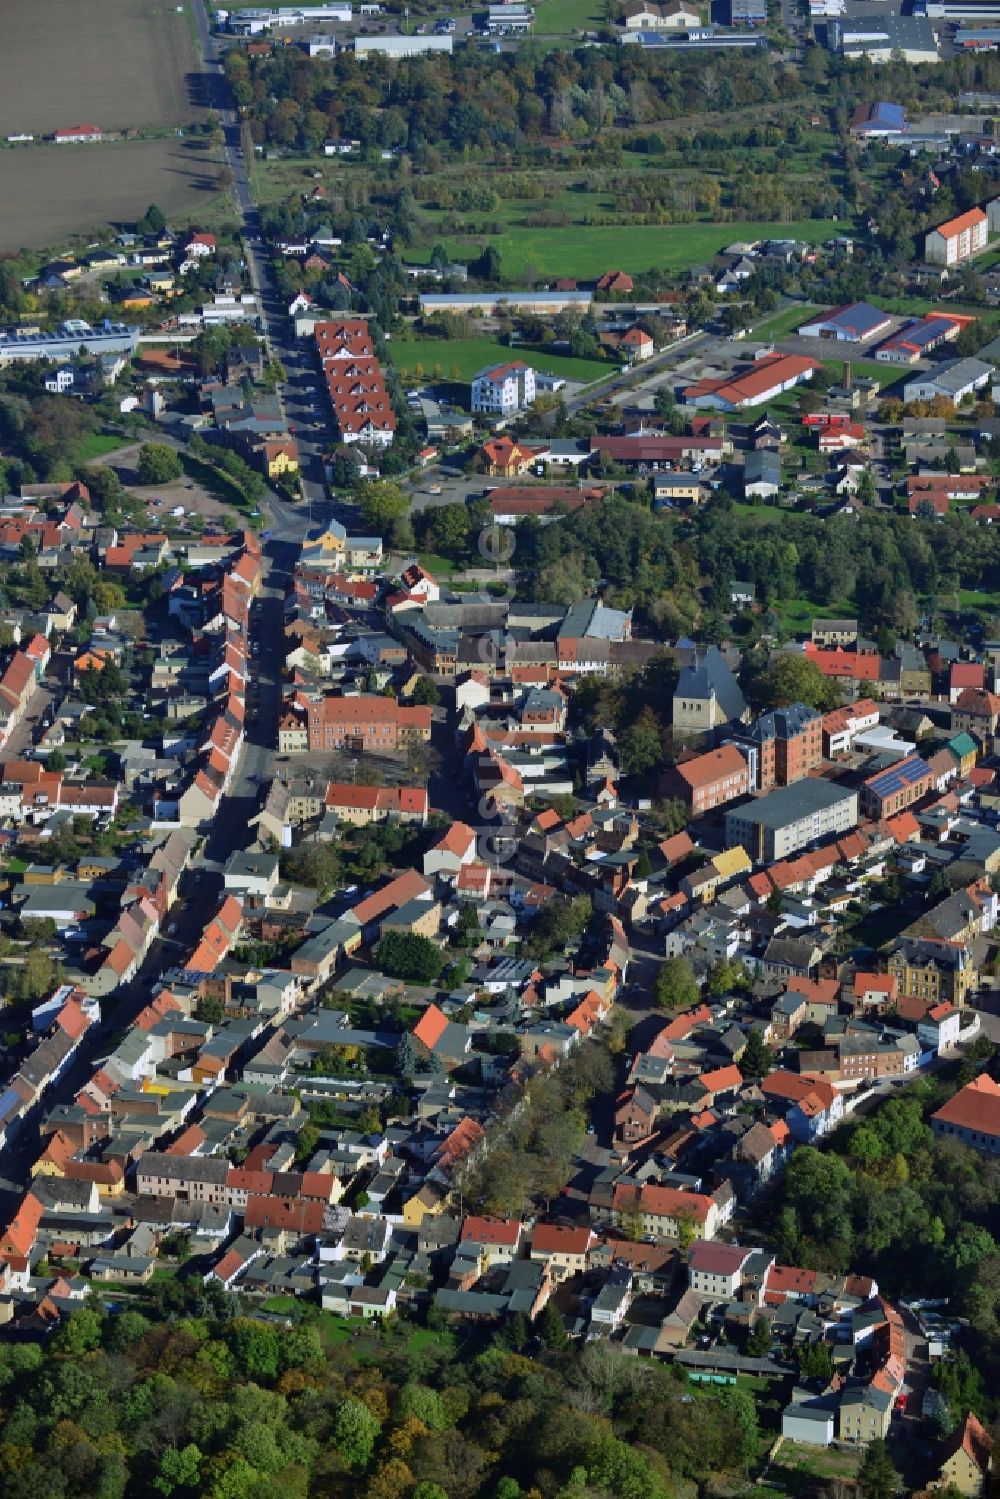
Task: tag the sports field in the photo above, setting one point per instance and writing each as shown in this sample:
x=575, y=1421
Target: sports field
x=110, y=63
x=461, y=358
x=588, y=251
x=76, y=190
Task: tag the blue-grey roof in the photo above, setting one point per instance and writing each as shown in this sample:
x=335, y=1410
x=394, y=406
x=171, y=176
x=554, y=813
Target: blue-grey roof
x=860, y=320
x=764, y=464
x=710, y=675
x=789, y=804
x=594, y=621
x=887, y=116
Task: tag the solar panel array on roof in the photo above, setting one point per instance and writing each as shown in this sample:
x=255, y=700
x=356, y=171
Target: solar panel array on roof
x=899, y=776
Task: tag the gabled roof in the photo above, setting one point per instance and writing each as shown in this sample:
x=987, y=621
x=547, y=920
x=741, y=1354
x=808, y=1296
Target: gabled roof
x=961, y=222
x=431, y=1027
x=554, y=1238
x=975, y=1107
x=711, y=1258
x=501, y=1231
x=974, y=1440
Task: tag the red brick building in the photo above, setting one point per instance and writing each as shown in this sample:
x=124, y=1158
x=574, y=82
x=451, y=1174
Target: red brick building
x=365, y=722
x=783, y=746
x=709, y=780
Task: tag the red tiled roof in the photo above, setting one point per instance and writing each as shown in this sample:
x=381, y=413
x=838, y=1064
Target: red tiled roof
x=662, y=1202
x=466, y=1134
x=786, y=1279
x=505, y=1231
x=974, y=1440
x=553, y=1238
x=974, y=1107
x=722, y=1079
x=406, y=886
x=712, y=1258
x=431, y=1027
x=299, y=1215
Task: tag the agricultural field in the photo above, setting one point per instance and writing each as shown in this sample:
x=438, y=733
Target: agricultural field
x=77, y=190
x=112, y=63
x=461, y=358
x=587, y=251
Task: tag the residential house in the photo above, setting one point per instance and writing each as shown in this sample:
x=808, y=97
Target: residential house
x=494, y=1241
x=969, y=1453
x=715, y=1271
x=972, y=1116
x=957, y=239
x=563, y=1250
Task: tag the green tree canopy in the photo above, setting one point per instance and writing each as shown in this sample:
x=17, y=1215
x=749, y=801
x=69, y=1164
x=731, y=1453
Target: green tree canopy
x=405, y=955
x=158, y=464
x=675, y=986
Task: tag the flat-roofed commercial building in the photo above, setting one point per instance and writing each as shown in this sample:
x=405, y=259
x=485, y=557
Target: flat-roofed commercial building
x=779, y=824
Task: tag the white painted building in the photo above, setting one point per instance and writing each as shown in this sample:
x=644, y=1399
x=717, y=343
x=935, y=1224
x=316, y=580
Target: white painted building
x=503, y=389
x=957, y=239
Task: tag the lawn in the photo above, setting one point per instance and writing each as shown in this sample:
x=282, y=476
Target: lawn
x=759, y=513
x=560, y=17
x=781, y=324
x=426, y=1337
x=460, y=358
x=889, y=376
x=919, y=306
x=97, y=444
x=282, y=1306
x=588, y=251
x=969, y=598
x=797, y=1469
x=797, y=615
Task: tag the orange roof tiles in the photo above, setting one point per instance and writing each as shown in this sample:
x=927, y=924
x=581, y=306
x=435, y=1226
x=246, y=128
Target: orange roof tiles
x=722, y=1079
x=431, y=1027
x=904, y=828
x=714, y=765
x=406, y=886
x=961, y=222
x=456, y=1146
x=230, y=914
x=18, y=1238
x=682, y=1025
x=975, y=1107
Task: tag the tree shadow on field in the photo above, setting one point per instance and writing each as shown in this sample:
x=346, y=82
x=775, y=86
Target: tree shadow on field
x=205, y=90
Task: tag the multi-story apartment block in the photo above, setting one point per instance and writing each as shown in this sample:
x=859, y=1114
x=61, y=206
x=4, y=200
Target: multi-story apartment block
x=502, y=389
x=954, y=241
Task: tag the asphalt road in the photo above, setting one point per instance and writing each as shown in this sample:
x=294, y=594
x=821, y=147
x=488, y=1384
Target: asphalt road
x=201, y=887
x=649, y=373
x=21, y=737
x=302, y=407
